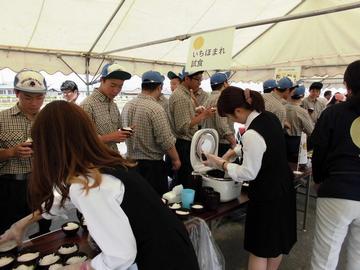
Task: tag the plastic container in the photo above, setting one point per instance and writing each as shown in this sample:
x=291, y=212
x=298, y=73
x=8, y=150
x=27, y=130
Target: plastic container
x=212, y=201
x=204, y=192
x=187, y=197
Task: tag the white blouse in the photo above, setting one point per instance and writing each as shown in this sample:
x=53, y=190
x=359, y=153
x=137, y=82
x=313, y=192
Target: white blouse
x=254, y=147
x=107, y=223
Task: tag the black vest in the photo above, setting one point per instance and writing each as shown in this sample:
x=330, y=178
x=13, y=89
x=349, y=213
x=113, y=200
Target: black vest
x=161, y=238
x=275, y=179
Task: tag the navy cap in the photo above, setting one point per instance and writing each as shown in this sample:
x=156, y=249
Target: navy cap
x=316, y=85
x=114, y=71
x=152, y=77
x=285, y=83
x=218, y=78
x=299, y=91
x=269, y=84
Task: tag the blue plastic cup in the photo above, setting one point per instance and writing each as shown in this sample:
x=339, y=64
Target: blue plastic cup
x=187, y=197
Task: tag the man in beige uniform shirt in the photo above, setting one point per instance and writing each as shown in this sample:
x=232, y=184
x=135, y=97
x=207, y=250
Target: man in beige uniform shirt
x=312, y=103
x=276, y=100
x=164, y=102
x=153, y=137
x=299, y=121
x=184, y=121
x=223, y=125
x=269, y=86
x=200, y=97
x=175, y=80
x=15, y=148
x=102, y=109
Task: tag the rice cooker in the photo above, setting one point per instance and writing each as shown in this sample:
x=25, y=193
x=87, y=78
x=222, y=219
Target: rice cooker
x=207, y=141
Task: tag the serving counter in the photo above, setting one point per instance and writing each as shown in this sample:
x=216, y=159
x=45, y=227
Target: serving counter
x=49, y=242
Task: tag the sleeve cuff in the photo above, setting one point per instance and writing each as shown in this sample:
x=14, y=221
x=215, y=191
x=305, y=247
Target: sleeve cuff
x=231, y=169
x=237, y=149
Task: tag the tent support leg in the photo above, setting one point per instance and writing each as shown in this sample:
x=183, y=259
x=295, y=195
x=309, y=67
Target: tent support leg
x=87, y=73
x=96, y=76
x=60, y=57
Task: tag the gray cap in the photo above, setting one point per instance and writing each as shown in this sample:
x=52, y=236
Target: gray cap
x=30, y=81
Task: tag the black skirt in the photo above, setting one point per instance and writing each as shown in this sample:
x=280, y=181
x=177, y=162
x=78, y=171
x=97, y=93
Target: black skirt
x=270, y=228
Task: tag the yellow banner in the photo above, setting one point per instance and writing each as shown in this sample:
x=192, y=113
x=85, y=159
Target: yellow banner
x=292, y=73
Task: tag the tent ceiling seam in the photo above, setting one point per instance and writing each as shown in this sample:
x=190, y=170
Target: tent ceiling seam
x=298, y=16
x=117, y=28
x=200, y=18
x=82, y=55
x=106, y=26
x=266, y=30
x=36, y=24
x=179, y=37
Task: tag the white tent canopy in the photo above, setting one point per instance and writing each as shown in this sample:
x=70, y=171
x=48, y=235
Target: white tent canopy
x=80, y=35
x=323, y=46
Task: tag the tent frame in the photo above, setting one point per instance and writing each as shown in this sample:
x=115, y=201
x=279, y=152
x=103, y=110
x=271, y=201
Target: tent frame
x=106, y=56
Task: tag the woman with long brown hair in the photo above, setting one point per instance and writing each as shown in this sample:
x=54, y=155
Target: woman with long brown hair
x=124, y=215
x=270, y=228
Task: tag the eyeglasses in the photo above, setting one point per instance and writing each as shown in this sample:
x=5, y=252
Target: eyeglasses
x=196, y=79
x=67, y=92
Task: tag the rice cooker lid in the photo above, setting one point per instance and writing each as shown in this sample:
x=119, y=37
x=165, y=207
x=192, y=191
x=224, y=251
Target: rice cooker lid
x=204, y=141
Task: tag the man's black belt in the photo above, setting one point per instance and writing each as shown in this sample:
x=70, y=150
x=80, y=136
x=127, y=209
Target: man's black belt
x=18, y=176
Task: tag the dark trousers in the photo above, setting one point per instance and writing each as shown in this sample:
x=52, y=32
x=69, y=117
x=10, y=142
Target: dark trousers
x=13, y=204
x=154, y=171
x=183, y=175
x=292, y=147
x=168, y=164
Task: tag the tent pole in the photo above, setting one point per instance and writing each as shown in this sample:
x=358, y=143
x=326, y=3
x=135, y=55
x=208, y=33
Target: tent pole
x=96, y=73
x=273, y=67
x=60, y=57
x=87, y=72
x=302, y=15
x=267, y=30
x=263, y=33
x=106, y=26
x=81, y=55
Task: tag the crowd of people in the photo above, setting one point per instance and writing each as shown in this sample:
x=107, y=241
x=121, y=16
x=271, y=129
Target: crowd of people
x=70, y=147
